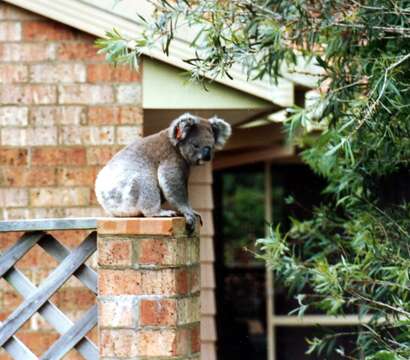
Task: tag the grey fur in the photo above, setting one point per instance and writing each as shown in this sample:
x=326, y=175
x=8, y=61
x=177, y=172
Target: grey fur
x=222, y=131
x=138, y=178
x=183, y=123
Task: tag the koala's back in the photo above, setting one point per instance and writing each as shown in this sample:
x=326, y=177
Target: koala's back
x=130, y=177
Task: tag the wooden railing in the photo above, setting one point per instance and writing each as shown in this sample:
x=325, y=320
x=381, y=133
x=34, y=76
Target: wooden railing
x=37, y=299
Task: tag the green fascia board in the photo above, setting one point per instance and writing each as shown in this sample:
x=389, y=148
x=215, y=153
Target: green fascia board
x=168, y=87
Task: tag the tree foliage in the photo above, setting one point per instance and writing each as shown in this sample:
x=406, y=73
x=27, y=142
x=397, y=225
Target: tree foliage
x=354, y=252
x=243, y=223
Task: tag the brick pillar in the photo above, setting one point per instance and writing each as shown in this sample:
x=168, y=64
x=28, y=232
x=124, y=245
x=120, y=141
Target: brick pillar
x=149, y=286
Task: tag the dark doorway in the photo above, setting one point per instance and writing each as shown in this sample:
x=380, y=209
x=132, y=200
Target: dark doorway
x=240, y=277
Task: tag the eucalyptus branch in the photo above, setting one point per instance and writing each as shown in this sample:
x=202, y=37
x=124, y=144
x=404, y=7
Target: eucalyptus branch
x=377, y=336
x=375, y=103
x=388, y=29
x=381, y=304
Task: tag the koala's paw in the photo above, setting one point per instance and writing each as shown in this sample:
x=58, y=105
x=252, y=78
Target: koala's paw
x=190, y=219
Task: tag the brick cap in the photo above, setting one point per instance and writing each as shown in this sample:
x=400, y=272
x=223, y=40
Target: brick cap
x=141, y=226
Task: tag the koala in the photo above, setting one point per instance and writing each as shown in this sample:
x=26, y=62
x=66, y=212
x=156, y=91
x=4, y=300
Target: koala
x=155, y=169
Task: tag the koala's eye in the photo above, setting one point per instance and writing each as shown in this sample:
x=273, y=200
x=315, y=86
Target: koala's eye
x=196, y=146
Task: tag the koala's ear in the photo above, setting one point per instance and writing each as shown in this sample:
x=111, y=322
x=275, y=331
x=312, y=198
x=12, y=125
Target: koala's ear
x=179, y=128
x=222, y=131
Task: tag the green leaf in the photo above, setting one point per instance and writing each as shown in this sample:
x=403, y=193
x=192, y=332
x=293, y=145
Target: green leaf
x=384, y=355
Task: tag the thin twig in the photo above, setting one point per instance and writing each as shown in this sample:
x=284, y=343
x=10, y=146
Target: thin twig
x=376, y=102
x=389, y=29
x=381, y=304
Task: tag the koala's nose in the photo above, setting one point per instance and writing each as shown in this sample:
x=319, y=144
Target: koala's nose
x=206, y=153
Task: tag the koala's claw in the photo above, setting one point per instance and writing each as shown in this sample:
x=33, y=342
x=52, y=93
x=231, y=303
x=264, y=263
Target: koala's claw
x=198, y=215
x=190, y=219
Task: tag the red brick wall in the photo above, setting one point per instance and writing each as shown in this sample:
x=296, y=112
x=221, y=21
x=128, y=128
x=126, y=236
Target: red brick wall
x=63, y=113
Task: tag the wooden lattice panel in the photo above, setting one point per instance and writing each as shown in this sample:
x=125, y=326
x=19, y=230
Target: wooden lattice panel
x=37, y=299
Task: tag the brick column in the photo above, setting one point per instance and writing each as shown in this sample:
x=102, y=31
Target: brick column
x=149, y=286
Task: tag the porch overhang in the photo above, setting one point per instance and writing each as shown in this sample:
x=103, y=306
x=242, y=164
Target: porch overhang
x=99, y=16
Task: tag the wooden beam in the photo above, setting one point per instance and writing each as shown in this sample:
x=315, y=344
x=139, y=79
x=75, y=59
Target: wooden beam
x=255, y=136
x=54, y=316
x=48, y=224
x=323, y=320
x=270, y=153
x=269, y=283
x=17, y=251
x=18, y=350
x=73, y=336
x=59, y=252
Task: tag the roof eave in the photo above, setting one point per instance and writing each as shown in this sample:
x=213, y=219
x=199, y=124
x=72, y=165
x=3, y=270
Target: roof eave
x=93, y=19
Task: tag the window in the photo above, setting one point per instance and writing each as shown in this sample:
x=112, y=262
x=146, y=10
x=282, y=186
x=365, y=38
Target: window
x=252, y=314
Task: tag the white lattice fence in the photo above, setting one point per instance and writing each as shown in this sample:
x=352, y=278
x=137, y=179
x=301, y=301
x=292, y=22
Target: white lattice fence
x=37, y=299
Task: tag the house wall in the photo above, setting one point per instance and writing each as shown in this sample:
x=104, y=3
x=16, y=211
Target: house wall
x=63, y=113
x=200, y=194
